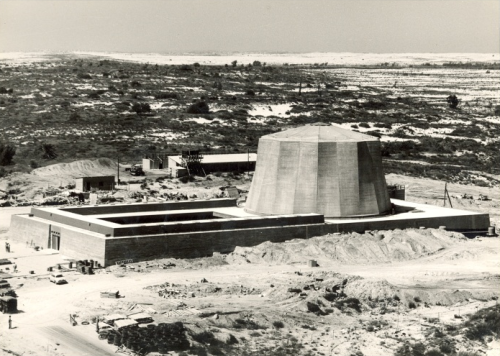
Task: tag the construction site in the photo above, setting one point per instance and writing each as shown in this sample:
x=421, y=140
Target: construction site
x=309, y=181
x=319, y=257
x=249, y=204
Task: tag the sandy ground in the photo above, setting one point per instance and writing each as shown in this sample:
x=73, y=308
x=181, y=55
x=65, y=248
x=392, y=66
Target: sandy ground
x=460, y=274
x=43, y=319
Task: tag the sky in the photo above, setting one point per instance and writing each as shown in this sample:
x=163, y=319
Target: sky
x=167, y=26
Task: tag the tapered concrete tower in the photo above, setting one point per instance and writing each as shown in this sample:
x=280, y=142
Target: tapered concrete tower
x=319, y=169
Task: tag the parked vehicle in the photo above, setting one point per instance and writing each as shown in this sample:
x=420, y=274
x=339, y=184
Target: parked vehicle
x=136, y=170
x=57, y=278
x=8, y=304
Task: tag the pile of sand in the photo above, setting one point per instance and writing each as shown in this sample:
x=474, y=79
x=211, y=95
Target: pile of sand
x=84, y=168
x=353, y=248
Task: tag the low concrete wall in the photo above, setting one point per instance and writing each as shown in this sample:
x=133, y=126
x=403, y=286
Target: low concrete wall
x=81, y=246
x=220, y=224
x=144, y=207
x=200, y=244
x=76, y=221
x=24, y=228
x=479, y=222
x=74, y=243
x=204, y=243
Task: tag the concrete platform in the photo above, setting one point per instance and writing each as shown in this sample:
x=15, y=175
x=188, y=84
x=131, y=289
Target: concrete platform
x=83, y=233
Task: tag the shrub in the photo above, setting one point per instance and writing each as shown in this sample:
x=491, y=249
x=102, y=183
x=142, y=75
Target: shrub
x=198, y=108
x=7, y=152
x=48, y=151
x=453, y=101
x=140, y=108
x=352, y=303
x=412, y=305
x=188, y=178
x=434, y=352
x=330, y=296
x=446, y=348
x=84, y=76
x=365, y=125
x=166, y=95
x=278, y=324
x=417, y=299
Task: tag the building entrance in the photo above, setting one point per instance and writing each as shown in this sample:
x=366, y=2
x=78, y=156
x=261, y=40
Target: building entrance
x=54, y=240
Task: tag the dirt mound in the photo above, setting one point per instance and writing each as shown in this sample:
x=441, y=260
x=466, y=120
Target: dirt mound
x=353, y=248
x=84, y=168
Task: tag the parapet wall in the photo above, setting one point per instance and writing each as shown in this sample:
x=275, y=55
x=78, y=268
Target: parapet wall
x=219, y=224
x=145, y=207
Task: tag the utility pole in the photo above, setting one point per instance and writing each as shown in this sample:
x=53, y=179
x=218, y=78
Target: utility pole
x=118, y=172
x=446, y=194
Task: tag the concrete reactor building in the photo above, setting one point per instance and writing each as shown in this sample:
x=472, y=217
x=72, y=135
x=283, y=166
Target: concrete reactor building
x=319, y=169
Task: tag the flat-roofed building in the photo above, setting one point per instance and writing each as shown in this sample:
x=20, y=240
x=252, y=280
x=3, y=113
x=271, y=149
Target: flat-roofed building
x=86, y=184
x=210, y=163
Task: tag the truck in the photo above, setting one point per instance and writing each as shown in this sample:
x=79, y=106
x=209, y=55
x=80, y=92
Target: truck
x=136, y=170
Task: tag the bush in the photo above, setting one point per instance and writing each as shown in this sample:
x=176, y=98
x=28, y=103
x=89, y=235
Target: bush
x=166, y=95
x=188, y=178
x=453, y=101
x=365, y=125
x=446, y=348
x=352, y=303
x=140, y=108
x=434, y=352
x=84, y=76
x=412, y=305
x=417, y=299
x=278, y=324
x=7, y=152
x=198, y=108
x=330, y=296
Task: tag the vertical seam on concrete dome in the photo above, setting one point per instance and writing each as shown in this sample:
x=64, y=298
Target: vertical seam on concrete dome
x=317, y=172
x=296, y=180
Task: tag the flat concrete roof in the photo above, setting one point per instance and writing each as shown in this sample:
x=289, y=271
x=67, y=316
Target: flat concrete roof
x=229, y=158
x=419, y=211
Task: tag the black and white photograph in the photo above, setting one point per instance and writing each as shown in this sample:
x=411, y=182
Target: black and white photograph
x=249, y=177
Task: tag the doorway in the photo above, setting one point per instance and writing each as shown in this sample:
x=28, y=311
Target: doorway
x=55, y=240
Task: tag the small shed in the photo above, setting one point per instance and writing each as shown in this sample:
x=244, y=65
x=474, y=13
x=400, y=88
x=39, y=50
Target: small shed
x=86, y=184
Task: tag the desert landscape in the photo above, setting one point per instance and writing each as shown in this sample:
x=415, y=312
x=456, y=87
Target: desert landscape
x=412, y=292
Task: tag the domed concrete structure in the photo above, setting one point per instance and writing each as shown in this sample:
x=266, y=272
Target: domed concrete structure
x=319, y=169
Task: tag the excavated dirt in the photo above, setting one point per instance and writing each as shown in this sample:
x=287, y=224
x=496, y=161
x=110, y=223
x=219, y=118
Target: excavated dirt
x=353, y=248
